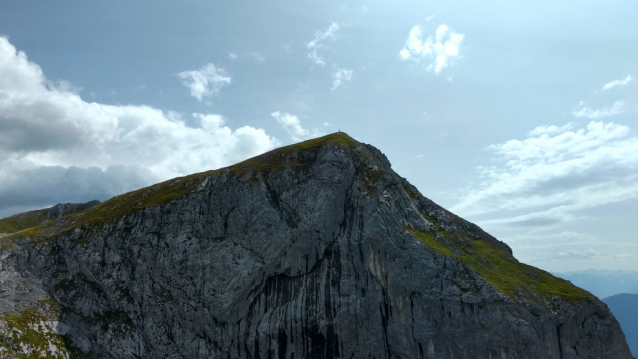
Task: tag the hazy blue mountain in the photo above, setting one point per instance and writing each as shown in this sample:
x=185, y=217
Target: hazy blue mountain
x=625, y=309
x=603, y=283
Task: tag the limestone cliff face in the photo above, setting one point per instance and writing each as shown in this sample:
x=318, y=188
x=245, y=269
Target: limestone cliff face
x=317, y=250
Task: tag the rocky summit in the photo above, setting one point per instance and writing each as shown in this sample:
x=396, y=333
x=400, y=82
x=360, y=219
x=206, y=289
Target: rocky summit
x=315, y=250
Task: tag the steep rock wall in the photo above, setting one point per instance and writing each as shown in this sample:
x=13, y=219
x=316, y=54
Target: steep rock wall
x=316, y=259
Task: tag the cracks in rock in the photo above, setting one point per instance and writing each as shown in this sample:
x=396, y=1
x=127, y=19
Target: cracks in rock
x=385, y=318
x=226, y=221
x=413, y=321
x=560, y=344
x=273, y=197
x=321, y=342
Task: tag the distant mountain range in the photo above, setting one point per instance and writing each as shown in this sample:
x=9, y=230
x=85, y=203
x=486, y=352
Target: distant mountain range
x=603, y=283
x=625, y=309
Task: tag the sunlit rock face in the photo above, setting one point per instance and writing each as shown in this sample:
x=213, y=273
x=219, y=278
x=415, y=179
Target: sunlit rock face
x=316, y=250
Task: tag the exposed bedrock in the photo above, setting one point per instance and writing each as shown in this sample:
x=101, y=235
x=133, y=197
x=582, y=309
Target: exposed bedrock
x=316, y=259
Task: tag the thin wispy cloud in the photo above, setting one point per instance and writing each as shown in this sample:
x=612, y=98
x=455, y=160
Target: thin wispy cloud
x=317, y=43
x=63, y=86
x=438, y=51
x=339, y=77
x=616, y=108
x=613, y=84
x=205, y=82
x=293, y=126
x=553, y=174
x=580, y=254
x=256, y=56
x=551, y=240
x=588, y=255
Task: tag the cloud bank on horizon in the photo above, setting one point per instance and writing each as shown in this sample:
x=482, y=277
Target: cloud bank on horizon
x=56, y=147
x=554, y=173
x=550, y=179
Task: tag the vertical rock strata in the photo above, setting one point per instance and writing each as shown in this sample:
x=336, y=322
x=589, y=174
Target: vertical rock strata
x=316, y=250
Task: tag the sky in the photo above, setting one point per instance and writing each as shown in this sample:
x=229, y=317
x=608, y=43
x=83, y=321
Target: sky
x=521, y=117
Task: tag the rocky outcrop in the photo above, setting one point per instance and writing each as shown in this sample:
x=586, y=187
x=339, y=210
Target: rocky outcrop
x=316, y=250
x=22, y=221
x=62, y=209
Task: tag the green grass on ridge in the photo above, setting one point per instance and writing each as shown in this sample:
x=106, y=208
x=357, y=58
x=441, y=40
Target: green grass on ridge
x=162, y=193
x=498, y=267
x=278, y=158
x=22, y=221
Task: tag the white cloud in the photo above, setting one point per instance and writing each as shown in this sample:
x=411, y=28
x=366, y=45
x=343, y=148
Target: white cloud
x=617, y=83
x=43, y=126
x=536, y=241
x=256, y=56
x=429, y=17
x=64, y=86
x=553, y=174
x=590, y=255
x=442, y=50
x=317, y=43
x=292, y=125
x=551, y=129
x=584, y=254
x=206, y=81
x=563, y=250
x=616, y=108
x=340, y=76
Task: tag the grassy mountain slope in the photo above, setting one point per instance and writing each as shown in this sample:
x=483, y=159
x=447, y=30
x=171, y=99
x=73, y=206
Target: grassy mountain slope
x=486, y=255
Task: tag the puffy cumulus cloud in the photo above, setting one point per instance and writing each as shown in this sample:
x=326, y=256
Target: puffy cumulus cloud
x=292, y=125
x=616, y=108
x=206, y=81
x=50, y=128
x=439, y=51
x=554, y=173
x=617, y=83
x=339, y=77
x=317, y=43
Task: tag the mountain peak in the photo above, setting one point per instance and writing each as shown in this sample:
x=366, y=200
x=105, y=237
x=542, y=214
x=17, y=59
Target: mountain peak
x=317, y=250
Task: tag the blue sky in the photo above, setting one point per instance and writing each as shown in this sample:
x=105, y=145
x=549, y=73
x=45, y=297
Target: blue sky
x=520, y=117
